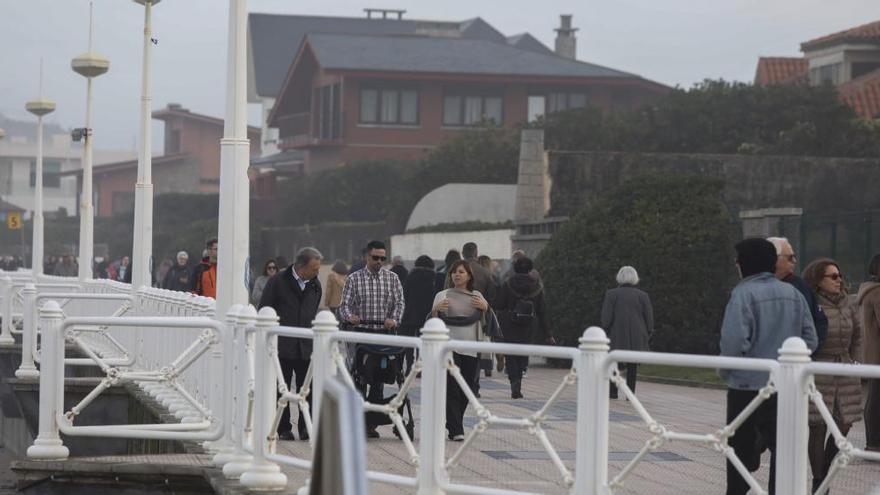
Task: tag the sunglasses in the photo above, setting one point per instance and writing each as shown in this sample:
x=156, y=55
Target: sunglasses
x=271, y=267
x=834, y=276
x=379, y=258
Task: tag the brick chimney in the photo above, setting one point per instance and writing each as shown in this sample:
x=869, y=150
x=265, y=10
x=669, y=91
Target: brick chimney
x=566, y=42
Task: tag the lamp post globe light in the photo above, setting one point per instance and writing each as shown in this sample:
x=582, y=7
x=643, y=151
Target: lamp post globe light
x=88, y=65
x=142, y=245
x=39, y=107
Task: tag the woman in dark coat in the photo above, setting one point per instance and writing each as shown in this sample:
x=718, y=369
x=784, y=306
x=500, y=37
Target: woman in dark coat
x=520, y=306
x=628, y=317
x=418, y=292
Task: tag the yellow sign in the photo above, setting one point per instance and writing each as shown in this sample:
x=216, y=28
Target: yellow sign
x=13, y=220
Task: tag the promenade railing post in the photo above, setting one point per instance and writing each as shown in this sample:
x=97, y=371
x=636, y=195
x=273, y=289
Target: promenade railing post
x=48, y=443
x=792, y=427
x=432, y=445
x=324, y=327
x=6, y=337
x=591, y=457
x=241, y=460
x=27, y=370
x=263, y=475
x=222, y=376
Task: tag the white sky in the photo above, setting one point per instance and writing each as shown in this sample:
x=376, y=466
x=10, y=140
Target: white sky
x=676, y=42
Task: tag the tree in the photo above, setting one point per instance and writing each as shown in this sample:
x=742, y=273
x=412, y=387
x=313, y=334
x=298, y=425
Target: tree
x=675, y=231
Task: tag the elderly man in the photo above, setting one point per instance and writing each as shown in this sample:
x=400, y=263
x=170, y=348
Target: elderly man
x=786, y=260
x=294, y=293
x=179, y=276
x=761, y=314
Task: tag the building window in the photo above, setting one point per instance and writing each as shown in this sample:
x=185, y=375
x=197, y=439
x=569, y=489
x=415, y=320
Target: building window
x=328, y=115
x=861, y=68
x=389, y=106
x=470, y=110
x=826, y=74
x=536, y=107
x=51, y=170
x=172, y=143
x=558, y=102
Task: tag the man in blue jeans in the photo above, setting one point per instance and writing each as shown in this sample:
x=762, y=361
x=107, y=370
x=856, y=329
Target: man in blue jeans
x=761, y=314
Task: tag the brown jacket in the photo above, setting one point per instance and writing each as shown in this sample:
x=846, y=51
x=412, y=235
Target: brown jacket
x=843, y=345
x=869, y=301
x=333, y=294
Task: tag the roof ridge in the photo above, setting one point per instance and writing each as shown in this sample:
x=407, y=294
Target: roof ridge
x=843, y=34
x=337, y=17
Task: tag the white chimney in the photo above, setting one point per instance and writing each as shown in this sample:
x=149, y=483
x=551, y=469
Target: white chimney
x=566, y=42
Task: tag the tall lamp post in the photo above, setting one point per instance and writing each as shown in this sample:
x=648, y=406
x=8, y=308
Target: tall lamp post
x=88, y=65
x=39, y=107
x=142, y=246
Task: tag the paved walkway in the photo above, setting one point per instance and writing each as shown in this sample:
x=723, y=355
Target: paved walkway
x=511, y=458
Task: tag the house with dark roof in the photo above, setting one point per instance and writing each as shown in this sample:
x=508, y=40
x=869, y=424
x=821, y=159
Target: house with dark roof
x=848, y=59
x=376, y=94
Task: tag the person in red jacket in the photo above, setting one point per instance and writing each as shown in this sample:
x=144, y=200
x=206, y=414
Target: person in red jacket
x=204, y=279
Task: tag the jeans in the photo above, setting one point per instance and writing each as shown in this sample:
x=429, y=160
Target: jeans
x=456, y=401
x=631, y=369
x=516, y=365
x=300, y=367
x=756, y=432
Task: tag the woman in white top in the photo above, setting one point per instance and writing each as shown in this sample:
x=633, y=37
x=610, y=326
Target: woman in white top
x=463, y=309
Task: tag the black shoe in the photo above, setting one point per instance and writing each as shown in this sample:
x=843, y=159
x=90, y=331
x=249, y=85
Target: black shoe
x=286, y=435
x=516, y=389
x=516, y=395
x=304, y=436
x=816, y=484
x=372, y=433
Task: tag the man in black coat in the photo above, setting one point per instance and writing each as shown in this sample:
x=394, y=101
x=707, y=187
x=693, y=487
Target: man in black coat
x=418, y=292
x=294, y=293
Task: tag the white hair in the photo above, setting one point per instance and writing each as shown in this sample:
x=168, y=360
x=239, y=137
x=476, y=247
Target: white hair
x=778, y=243
x=627, y=275
x=182, y=254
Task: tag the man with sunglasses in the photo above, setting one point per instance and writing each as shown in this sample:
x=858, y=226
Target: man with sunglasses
x=786, y=260
x=372, y=301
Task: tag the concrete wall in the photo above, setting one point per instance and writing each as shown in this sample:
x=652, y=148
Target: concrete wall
x=493, y=243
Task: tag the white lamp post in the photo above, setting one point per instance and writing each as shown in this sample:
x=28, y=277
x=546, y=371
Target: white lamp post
x=88, y=65
x=142, y=245
x=39, y=107
x=233, y=237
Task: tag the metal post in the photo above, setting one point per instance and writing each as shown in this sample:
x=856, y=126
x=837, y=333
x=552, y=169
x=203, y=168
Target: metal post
x=6, y=337
x=142, y=248
x=262, y=474
x=241, y=460
x=48, y=443
x=591, y=457
x=222, y=377
x=323, y=367
x=432, y=446
x=791, y=423
x=233, y=236
x=27, y=370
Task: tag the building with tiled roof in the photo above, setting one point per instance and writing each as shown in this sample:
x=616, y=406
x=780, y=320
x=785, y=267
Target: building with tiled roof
x=848, y=59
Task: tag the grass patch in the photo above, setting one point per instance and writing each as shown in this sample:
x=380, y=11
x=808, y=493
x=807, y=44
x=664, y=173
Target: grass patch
x=698, y=375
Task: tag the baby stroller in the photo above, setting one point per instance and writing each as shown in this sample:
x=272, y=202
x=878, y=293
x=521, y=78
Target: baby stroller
x=380, y=364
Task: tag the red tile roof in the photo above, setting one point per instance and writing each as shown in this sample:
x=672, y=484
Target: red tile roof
x=863, y=94
x=865, y=33
x=778, y=70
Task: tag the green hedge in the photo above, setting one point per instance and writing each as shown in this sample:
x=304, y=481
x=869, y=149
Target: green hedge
x=675, y=231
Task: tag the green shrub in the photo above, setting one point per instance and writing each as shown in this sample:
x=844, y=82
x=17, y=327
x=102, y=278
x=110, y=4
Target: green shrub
x=675, y=231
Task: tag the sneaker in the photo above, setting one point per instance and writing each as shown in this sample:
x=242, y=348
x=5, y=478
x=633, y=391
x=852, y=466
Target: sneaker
x=372, y=433
x=286, y=435
x=457, y=438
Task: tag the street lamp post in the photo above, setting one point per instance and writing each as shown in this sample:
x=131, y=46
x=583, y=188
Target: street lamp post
x=39, y=107
x=142, y=246
x=88, y=65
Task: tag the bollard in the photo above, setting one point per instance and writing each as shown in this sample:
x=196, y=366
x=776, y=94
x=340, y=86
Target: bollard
x=6, y=337
x=591, y=454
x=28, y=370
x=241, y=460
x=263, y=475
x=792, y=427
x=323, y=367
x=48, y=443
x=223, y=378
x=432, y=426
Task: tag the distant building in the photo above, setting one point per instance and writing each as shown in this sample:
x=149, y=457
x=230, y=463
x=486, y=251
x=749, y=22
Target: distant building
x=849, y=60
x=190, y=163
x=335, y=90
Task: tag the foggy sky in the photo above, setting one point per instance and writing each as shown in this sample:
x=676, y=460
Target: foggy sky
x=675, y=42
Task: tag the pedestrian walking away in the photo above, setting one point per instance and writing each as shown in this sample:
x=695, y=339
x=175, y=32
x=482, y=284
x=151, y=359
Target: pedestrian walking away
x=869, y=302
x=295, y=293
x=628, y=317
x=335, y=283
x=418, y=292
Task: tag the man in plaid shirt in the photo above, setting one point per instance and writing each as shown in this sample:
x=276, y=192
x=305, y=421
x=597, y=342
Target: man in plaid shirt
x=372, y=301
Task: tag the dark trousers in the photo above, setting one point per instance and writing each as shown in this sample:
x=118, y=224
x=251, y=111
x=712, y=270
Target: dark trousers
x=456, y=401
x=756, y=433
x=299, y=367
x=515, y=365
x=631, y=370
x=872, y=414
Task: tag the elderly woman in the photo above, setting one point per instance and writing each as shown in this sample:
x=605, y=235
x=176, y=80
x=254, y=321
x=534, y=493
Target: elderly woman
x=842, y=395
x=464, y=311
x=628, y=317
x=869, y=302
